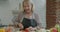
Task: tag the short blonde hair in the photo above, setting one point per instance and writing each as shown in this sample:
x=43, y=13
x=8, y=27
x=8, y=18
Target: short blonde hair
x=21, y=5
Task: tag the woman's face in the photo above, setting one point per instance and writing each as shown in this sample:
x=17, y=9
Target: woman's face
x=27, y=7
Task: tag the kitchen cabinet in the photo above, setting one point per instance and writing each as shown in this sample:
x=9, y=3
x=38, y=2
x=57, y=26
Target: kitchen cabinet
x=51, y=13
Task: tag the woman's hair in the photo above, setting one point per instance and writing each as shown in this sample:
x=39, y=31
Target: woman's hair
x=29, y=2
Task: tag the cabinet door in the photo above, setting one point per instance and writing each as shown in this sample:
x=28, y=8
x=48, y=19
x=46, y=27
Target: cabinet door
x=50, y=13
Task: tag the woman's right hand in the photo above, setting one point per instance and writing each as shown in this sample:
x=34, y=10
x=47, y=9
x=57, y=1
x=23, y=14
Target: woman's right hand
x=20, y=25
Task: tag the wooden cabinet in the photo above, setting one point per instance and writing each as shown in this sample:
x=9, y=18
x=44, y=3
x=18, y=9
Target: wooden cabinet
x=51, y=13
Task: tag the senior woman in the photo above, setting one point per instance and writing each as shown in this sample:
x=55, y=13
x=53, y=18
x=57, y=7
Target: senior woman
x=27, y=18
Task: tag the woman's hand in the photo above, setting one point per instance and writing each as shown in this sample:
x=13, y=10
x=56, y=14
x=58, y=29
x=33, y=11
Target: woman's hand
x=20, y=25
x=32, y=29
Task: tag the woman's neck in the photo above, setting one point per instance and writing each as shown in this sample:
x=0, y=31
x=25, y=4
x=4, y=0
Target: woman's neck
x=28, y=13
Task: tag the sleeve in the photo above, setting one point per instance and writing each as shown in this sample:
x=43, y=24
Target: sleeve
x=38, y=20
x=16, y=20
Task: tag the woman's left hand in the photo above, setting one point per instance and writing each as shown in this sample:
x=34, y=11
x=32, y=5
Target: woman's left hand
x=32, y=29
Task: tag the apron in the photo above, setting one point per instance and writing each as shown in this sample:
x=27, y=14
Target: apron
x=29, y=22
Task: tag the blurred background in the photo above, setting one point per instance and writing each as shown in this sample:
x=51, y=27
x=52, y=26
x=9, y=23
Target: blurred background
x=10, y=8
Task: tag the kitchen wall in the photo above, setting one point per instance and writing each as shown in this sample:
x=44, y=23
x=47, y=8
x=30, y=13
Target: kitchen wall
x=7, y=7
